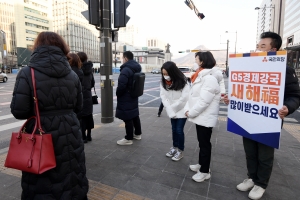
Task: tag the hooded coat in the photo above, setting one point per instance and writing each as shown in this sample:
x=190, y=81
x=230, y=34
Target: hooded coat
x=59, y=99
x=88, y=83
x=127, y=106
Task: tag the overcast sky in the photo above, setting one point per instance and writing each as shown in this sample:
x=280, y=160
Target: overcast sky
x=175, y=23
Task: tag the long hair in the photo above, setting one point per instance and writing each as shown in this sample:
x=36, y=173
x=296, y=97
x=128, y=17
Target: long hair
x=83, y=57
x=49, y=38
x=74, y=60
x=177, y=77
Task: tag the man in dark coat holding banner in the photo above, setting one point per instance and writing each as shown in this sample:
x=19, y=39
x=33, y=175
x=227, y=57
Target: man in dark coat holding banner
x=259, y=156
x=127, y=106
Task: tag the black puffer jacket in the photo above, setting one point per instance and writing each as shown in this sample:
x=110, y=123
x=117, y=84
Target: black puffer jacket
x=78, y=72
x=60, y=97
x=291, y=90
x=88, y=82
x=127, y=106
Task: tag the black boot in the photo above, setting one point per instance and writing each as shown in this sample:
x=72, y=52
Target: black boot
x=89, y=137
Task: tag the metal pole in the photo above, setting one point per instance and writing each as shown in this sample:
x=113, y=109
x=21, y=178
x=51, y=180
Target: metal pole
x=279, y=22
x=235, y=41
x=227, y=58
x=106, y=81
x=274, y=20
x=115, y=56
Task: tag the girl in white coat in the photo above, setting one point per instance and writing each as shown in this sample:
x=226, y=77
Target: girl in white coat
x=202, y=109
x=174, y=95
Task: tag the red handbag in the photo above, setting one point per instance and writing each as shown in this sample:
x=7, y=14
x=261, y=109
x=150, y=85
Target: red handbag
x=32, y=153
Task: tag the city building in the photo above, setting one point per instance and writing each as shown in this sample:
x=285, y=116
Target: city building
x=130, y=35
x=31, y=18
x=270, y=17
x=291, y=33
x=75, y=29
x=7, y=24
x=8, y=35
x=154, y=42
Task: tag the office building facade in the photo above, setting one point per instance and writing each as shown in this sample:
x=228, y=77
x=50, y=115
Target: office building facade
x=75, y=29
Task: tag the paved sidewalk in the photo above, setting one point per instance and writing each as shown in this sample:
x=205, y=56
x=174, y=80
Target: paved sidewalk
x=142, y=171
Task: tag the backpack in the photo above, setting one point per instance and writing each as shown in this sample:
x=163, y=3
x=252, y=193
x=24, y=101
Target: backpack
x=138, y=81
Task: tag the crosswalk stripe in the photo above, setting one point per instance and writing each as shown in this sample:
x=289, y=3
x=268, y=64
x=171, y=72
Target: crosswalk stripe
x=12, y=125
x=6, y=116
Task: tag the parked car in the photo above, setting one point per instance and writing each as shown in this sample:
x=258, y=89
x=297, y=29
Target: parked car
x=3, y=77
x=155, y=71
x=186, y=71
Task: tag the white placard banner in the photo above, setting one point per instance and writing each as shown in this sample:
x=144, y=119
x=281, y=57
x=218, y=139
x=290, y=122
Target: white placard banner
x=256, y=91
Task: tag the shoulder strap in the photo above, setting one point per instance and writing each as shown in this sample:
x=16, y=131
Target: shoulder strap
x=36, y=104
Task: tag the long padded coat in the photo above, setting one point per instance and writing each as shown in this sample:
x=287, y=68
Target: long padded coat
x=60, y=98
x=127, y=106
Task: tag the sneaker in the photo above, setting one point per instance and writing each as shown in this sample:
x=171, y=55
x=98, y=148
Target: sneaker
x=158, y=115
x=137, y=137
x=200, y=177
x=195, y=168
x=256, y=192
x=178, y=155
x=172, y=152
x=124, y=142
x=246, y=185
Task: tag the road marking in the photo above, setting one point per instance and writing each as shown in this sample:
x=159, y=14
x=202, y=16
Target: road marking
x=4, y=104
x=2, y=94
x=286, y=119
x=12, y=125
x=141, y=104
x=6, y=116
x=223, y=112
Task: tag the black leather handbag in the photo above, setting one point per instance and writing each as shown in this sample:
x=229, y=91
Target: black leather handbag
x=95, y=97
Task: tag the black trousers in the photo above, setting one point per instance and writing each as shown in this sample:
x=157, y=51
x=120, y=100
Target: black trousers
x=204, y=135
x=259, y=159
x=161, y=107
x=133, y=125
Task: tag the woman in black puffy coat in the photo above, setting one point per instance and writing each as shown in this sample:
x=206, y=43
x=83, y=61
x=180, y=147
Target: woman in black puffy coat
x=59, y=99
x=88, y=82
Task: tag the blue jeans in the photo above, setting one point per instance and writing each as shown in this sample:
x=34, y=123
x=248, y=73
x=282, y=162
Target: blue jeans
x=177, y=132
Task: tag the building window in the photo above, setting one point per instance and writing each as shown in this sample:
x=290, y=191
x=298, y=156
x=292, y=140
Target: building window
x=36, y=26
x=151, y=43
x=37, y=19
x=35, y=11
x=30, y=39
x=32, y=32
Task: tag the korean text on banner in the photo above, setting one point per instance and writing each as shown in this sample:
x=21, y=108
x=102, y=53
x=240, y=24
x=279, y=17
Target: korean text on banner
x=256, y=91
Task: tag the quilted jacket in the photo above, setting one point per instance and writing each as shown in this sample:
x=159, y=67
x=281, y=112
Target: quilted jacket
x=60, y=98
x=204, y=98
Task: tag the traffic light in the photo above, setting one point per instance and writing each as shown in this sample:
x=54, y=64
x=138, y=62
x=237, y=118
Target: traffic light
x=120, y=17
x=201, y=16
x=93, y=13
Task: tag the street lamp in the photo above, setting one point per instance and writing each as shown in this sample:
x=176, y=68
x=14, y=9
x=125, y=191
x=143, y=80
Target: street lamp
x=235, y=39
x=273, y=7
x=226, y=63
